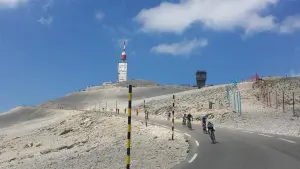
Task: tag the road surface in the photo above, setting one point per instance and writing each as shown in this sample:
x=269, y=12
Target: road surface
x=236, y=149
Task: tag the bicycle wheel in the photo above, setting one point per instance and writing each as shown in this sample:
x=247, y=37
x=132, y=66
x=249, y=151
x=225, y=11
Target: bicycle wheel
x=213, y=136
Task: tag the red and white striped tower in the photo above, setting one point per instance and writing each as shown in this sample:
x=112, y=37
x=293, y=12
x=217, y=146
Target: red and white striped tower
x=123, y=58
x=122, y=68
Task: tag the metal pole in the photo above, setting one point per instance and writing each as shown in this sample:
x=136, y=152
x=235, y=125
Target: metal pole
x=129, y=127
x=283, y=101
x=234, y=102
x=173, y=117
x=116, y=107
x=240, y=103
x=228, y=96
x=276, y=101
x=270, y=99
x=146, y=118
x=267, y=98
x=294, y=104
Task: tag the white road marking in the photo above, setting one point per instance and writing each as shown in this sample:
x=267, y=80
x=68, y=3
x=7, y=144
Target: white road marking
x=193, y=158
x=265, y=135
x=187, y=134
x=197, y=143
x=287, y=140
x=176, y=130
x=248, y=132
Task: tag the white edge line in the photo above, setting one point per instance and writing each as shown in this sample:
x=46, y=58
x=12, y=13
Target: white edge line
x=193, y=158
x=287, y=140
x=197, y=143
x=187, y=134
x=265, y=135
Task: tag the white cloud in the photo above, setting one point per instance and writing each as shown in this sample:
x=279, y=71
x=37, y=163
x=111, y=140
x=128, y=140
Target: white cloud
x=181, y=48
x=11, y=3
x=47, y=5
x=249, y=15
x=99, y=15
x=45, y=21
x=293, y=73
x=290, y=24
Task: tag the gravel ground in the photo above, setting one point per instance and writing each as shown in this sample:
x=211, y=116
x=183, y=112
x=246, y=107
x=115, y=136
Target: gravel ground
x=92, y=140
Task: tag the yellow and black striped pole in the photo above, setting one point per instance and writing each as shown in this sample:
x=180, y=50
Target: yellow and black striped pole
x=129, y=127
x=173, y=108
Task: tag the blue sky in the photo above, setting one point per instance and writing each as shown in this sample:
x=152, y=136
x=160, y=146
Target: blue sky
x=49, y=48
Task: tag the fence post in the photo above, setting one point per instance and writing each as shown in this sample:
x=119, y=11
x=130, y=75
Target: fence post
x=240, y=103
x=129, y=127
x=116, y=107
x=283, y=108
x=234, y=102
x=294, y=104
x=237, y=101
x=146, y=114
x=276, y=101
x=264, y=94
x=173, y=108
x=267, y=98
x=270, y=101
x=228, y=96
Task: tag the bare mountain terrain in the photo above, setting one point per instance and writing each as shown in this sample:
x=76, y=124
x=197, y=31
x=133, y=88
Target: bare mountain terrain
x=79, y=130
x=63, y=133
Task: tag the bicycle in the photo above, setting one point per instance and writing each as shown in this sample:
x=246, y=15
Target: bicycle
x=204, y=128
x=184, y=122
x=189, y=124
x=211, y=133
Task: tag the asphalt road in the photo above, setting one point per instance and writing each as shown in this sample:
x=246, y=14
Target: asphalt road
x=236, y=149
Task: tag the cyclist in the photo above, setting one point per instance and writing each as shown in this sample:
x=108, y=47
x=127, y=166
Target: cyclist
x=211, y=129
x=204, y=118
x=189, y=119
x=184, y=119
x=169, y=115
